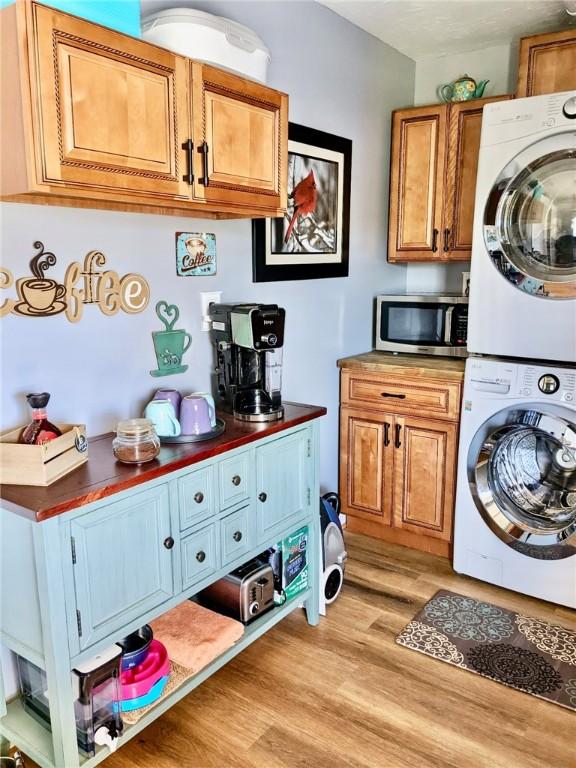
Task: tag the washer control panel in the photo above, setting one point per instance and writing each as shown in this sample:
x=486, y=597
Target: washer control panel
x=558, y=384
x=500, y=380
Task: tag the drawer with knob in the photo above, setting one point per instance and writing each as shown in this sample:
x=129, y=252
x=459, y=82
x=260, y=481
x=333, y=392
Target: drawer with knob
x=196, y=497
x=236, y=534
x=199, y=554
x=234, y=480
x=434, y=398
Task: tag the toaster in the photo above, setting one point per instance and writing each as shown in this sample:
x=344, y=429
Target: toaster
x=243, y=594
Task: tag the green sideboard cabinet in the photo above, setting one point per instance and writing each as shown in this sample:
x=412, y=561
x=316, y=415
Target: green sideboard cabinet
x=108, y=549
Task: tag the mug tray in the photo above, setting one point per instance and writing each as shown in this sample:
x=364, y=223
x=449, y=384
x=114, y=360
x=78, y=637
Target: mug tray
x=216, y=432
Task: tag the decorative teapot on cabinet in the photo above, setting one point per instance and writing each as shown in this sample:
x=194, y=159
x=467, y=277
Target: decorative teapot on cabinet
x=463, y=89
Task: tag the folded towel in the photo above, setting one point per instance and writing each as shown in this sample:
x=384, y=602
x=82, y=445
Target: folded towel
x=194, y=636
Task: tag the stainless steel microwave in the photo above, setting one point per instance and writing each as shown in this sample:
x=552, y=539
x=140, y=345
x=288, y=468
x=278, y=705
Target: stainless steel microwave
x=425, y=325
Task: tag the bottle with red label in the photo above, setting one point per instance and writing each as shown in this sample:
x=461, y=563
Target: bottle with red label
x=40, y=430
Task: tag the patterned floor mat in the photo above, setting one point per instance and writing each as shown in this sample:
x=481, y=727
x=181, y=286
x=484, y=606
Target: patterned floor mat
x=519, y=651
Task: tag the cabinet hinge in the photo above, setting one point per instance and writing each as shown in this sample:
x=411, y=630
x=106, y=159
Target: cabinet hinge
x=309, y=496
x=73, y=548
x=309, y=449
x=79, y=622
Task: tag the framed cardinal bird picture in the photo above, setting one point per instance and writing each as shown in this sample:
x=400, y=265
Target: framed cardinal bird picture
x=311, y=240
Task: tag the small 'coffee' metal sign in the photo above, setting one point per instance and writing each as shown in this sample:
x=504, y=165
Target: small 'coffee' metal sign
x=195, y=254
x=87, y=283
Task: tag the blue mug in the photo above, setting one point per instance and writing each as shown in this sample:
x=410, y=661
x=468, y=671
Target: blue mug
x=161, y=413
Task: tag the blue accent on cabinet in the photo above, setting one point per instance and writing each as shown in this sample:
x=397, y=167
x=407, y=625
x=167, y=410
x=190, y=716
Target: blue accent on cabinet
x=122, y=15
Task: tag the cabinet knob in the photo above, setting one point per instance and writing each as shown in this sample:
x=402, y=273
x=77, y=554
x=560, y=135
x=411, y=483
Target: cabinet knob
x=169, y=542
x=236, y=480
x=262, y=496
x=201, y=556
x=199, y=497
x=237, y=536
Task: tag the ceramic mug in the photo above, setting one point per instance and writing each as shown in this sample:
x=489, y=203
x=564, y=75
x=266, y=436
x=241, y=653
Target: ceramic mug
x=40, y=294
x=195, y=415
x=173, y=396
x=211, y=406
x=161, y=414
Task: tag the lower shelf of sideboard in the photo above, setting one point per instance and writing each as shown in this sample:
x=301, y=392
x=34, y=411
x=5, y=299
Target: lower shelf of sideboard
x=36, y=741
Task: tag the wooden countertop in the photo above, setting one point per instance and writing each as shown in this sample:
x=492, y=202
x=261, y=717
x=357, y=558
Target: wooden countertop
x=102, y=475
x=411, y=365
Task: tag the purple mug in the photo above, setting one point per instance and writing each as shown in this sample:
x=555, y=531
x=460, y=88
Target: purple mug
x=195, y=415
x=173, y=396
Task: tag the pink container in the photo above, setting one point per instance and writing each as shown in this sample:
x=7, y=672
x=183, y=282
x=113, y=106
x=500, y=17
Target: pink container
x=138, y=681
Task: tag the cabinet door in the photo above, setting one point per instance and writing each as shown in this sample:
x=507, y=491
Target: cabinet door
x=464, y=125
x=366, y=464
x=282, y=483
x=547, y=63
x=241, y=140
x=416, y=183
x=113, y=110
x=121, y=567
x=424, y=476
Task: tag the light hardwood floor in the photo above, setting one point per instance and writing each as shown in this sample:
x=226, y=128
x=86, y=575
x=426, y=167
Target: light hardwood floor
x=344, y=695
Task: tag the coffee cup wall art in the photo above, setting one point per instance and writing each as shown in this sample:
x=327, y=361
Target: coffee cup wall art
x=195, y=254
x=39, y=295
x=171, y=343
x=84, y=283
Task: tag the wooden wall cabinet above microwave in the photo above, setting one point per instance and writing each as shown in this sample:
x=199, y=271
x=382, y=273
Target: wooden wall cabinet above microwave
x=96, y=118
x=547, y=63
x=434, y=161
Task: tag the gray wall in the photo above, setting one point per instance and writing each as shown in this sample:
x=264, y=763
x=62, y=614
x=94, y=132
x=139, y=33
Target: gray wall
x=341, y=80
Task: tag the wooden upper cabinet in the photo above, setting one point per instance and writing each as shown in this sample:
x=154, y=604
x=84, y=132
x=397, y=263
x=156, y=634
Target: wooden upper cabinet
x=416, y=183
x=240, y=129
x=464, y=127
x=424, y=476
x=547, y=63
x=113, y=111
x=96, y=118
x=434, y=162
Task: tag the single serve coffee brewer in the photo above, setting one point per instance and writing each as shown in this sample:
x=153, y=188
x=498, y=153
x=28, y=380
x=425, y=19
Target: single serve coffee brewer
x=248, y=339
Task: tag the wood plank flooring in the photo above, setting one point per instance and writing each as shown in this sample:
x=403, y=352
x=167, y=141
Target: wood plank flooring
x=344, y=695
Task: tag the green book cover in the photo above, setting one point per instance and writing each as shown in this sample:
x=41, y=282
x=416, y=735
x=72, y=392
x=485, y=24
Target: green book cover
x=295, y=563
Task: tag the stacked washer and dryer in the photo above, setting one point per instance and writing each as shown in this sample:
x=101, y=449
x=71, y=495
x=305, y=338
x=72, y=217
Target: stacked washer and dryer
x=516, y=494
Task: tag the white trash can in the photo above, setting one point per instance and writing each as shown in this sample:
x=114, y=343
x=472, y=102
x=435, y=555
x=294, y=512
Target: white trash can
x=213, y=39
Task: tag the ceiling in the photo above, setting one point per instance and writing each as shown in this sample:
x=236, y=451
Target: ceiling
x=421, y=28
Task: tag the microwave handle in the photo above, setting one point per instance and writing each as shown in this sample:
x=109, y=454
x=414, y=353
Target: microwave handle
x=448, y=325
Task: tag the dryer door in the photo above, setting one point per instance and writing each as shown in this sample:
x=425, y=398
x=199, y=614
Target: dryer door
x=523, y=479
x=530, y=218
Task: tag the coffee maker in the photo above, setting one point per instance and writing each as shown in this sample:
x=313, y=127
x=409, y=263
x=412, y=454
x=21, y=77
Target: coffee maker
x=248, y=339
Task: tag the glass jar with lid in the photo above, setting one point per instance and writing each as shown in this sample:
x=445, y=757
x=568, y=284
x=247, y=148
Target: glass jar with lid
x=136, y=441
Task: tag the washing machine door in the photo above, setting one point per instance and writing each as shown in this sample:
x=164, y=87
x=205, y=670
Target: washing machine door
x=530, y=218
x=523, y=480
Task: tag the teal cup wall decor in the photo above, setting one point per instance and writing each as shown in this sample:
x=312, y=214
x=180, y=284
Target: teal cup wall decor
x=171, y=343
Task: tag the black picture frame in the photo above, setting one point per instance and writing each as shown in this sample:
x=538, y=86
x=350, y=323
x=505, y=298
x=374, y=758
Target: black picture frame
x=264, y=271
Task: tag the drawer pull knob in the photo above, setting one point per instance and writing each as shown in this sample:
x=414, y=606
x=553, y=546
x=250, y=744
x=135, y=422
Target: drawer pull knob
x=169, y=542
x=201, y=556
x=237, y=536
x=199, y=497
x=393, y=394
x=262, y=496
x=236, y=480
